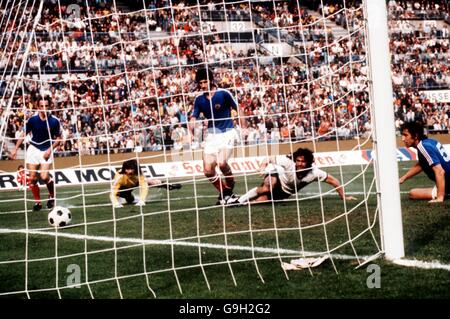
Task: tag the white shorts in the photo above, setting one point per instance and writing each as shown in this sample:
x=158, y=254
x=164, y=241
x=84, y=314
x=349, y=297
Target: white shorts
x=216, y=142
x=36, y=156
x=434, y=193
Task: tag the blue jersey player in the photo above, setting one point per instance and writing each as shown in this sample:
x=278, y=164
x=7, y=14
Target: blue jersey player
x=45, y=130
x=434, y=161
x=216, y=105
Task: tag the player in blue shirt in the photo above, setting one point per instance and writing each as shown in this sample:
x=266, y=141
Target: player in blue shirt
x=216, y=105
x=434, y=161
x=45, y=130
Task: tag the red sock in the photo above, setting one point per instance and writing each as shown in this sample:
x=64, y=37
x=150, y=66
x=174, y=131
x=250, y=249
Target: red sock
x=36, y=194
x=51, y=189
x=217, y=182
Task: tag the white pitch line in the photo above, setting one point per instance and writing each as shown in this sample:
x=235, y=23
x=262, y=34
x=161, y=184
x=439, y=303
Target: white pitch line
x=174, y=242
x=400, y=262
x=421, y=264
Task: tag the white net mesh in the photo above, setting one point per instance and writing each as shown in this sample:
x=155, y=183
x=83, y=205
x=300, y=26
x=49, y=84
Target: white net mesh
x=121, y=80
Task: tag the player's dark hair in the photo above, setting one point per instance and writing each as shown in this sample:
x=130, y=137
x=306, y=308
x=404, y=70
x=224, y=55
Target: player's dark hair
x=20, y=167
x=307, y=155
x=204, y=74
x=415, y=129
x=130, y=164
x=43, y=98
x=38, y=98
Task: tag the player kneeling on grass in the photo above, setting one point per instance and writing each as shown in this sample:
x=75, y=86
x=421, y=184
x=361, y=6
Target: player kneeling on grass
x=433, y=160
x=287, y=174
x=129, y=178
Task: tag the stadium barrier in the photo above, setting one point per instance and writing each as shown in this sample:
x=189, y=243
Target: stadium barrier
x=184, y=169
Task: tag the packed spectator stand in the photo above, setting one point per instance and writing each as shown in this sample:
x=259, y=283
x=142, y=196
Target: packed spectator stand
x=125, y=82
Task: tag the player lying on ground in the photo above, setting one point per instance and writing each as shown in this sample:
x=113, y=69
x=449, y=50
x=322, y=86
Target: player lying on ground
x=129, y=178
x=287, y=174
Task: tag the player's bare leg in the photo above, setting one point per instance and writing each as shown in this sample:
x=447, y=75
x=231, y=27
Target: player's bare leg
x=222, y=160
x=34, y=187
x=261, y=198
x=261, y=193
x=45, y=176
x=421, y=193
x=209, y=169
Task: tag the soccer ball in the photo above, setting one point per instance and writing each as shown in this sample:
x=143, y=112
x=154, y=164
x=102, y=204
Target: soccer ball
x=59, y=216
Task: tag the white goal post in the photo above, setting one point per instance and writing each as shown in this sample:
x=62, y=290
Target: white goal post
x=140, y=83
x=383, y=121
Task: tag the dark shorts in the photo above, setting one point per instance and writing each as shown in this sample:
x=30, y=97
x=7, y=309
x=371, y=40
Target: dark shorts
x=277, y=192
x=127, y=194
x=447, y=186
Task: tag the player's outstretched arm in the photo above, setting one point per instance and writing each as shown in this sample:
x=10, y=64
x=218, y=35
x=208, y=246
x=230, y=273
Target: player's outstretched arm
x=48, y=152
x=339, y=189
x=159, y=184
x=114, y=195
x=143, y=190
x=13, y=153
x=191, y=127
x=242, y=119
x=413, y=171
x=115, y=199
x=263, y=167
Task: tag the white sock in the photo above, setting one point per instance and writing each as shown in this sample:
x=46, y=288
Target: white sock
x=248, y=196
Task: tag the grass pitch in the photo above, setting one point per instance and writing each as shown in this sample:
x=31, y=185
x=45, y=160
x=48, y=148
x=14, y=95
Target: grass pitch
x=182, y=246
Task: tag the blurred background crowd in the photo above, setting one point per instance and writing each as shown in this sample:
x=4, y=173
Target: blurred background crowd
x=125, y=82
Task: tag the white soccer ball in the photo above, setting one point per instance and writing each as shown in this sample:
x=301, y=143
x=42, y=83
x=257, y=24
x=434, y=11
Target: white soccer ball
x=59, y=216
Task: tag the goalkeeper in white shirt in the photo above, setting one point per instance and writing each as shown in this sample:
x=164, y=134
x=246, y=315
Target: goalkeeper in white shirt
x=286, y=174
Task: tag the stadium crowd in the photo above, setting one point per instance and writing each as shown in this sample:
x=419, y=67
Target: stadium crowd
x=131, y=81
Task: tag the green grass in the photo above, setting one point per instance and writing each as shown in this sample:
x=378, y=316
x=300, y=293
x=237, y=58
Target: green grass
x=136, y=269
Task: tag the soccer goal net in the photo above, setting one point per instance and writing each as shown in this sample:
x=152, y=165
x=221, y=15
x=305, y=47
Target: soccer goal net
x=119, y=76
